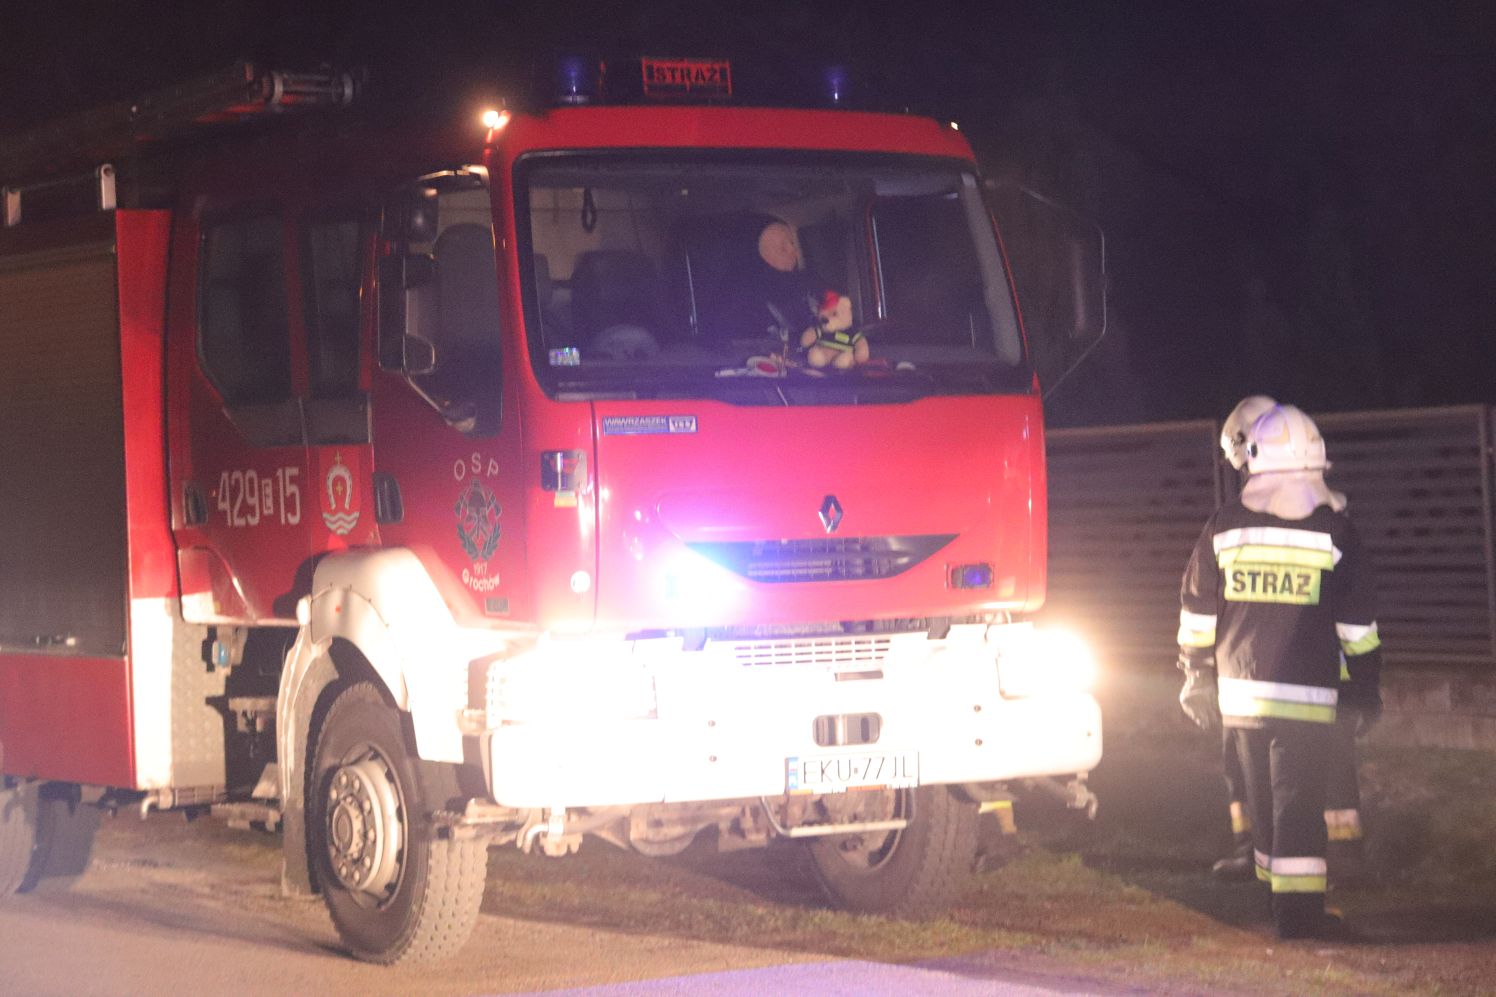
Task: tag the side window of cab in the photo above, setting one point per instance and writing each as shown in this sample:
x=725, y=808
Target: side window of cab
x=439, y=308
x=245, y=334
x=331, y=251
x=244, y=329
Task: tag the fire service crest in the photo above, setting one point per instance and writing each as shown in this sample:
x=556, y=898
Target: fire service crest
x=478, y=521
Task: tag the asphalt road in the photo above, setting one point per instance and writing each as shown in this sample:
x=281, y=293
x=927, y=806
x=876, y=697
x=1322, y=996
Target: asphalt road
x=167, y=907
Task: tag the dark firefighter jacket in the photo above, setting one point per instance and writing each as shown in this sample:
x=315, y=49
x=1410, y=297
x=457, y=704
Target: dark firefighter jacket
x=1275, y=602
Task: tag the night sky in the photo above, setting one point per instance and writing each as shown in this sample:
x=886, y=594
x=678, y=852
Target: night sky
x=1296, y=196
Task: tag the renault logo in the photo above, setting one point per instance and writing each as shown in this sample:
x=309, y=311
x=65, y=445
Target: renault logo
x=831, y=513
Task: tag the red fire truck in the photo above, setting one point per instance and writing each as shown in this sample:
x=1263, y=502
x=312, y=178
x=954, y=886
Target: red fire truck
x=416, y=488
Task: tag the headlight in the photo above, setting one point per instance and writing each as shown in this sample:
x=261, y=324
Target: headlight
x=559, y=683
x=695, y=591
x=1037, y=662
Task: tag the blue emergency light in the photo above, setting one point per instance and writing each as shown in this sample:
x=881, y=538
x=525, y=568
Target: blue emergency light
x=576, y=80
x=838, y=81
x=581, y=79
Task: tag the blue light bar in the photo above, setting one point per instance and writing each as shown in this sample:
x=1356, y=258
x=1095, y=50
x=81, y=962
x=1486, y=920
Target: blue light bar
x=838, y=85
x=576, y=80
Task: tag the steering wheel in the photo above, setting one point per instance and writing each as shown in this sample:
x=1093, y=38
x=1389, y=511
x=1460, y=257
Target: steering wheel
x=625, y=342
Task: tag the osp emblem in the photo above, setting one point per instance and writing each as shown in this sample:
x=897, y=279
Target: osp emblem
x=478, y=521
x=831, y=513
x=339, y=493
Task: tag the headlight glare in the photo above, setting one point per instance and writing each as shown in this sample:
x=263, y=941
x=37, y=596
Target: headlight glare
x=1039, y=662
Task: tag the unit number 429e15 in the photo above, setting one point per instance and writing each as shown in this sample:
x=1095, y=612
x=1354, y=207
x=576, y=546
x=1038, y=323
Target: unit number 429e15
x=247, y=499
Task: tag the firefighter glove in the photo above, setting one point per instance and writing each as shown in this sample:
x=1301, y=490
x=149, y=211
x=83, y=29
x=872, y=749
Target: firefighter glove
x=1363, y=693
x=1364, y=703
x=1198, y=696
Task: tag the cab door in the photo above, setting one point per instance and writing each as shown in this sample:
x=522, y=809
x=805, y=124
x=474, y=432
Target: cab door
x=450, y=472
x=334, y=247
x=240, y=478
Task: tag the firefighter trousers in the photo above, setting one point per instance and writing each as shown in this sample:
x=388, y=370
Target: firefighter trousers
x=1342, y=787
x=1284, y=766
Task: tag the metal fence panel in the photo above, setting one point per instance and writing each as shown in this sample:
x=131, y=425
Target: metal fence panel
x=1127, y=503
x=1418, y=483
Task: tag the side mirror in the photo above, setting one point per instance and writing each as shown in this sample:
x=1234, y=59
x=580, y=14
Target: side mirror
x=1058, y=257
x=414, y=215
x=419, y=356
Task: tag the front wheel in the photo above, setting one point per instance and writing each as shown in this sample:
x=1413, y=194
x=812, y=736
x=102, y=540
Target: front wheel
x=913, y=872
x=394, y=889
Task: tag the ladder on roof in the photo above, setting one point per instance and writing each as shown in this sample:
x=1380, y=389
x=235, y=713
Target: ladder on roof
x=81, y=141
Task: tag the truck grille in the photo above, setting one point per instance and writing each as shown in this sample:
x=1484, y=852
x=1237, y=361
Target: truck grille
x=827, y=559
x=836, y=652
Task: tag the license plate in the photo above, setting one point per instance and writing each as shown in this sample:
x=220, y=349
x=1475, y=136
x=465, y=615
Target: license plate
x=859, y=770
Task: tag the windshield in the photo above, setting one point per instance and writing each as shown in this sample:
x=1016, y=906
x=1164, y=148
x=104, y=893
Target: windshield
x=651, y=277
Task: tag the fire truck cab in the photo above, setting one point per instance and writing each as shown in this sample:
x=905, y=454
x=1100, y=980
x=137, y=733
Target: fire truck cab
x=417, y=488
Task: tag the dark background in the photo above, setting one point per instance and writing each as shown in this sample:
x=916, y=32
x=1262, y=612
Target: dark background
x=1295, y=195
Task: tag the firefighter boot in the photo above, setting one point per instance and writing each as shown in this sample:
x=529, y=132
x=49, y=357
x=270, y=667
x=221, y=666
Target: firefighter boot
x=1326, y=924
x=1237, y=867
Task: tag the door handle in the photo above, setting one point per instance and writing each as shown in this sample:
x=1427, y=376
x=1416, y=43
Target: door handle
x=388, y=506
x=194, y=504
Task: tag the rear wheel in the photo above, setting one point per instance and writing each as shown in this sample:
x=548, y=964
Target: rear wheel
x=46, y=836
x=65, y=837
x=18, y=838
x=913, y=872
x=395, y=890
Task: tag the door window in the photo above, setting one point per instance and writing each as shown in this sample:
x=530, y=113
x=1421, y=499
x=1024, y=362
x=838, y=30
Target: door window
x=330, y=275
x=244, y=333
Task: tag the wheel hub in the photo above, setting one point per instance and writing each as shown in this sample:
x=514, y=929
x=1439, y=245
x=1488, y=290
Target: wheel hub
x=868, y=852
x=365, y=831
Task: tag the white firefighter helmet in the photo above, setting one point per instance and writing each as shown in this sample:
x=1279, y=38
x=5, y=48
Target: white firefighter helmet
x=1234, y=429
x=1285, y=439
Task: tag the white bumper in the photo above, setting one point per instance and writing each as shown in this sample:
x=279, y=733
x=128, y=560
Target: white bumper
x=591, y=724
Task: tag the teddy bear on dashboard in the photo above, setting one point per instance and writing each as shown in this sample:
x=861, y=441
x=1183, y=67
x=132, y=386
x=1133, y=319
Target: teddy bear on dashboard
x=832, y=341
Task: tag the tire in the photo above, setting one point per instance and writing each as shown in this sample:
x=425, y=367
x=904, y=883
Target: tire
x=912, y=873
x=18, y=838
x=396, y=891
x=65, y=830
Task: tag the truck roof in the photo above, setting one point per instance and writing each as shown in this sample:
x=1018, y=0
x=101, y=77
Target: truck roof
x=115, y=130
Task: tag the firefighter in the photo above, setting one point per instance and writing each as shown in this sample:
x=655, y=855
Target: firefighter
x=1275, y=591
x=1343, y=790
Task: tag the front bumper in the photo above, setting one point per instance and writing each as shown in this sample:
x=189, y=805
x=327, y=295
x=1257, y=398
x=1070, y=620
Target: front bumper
x=649, y=722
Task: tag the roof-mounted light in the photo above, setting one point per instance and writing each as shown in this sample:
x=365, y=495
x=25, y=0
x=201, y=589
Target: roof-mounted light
x=494, y=119
x=576, y=80
x=686, y=79
x=837, y=86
